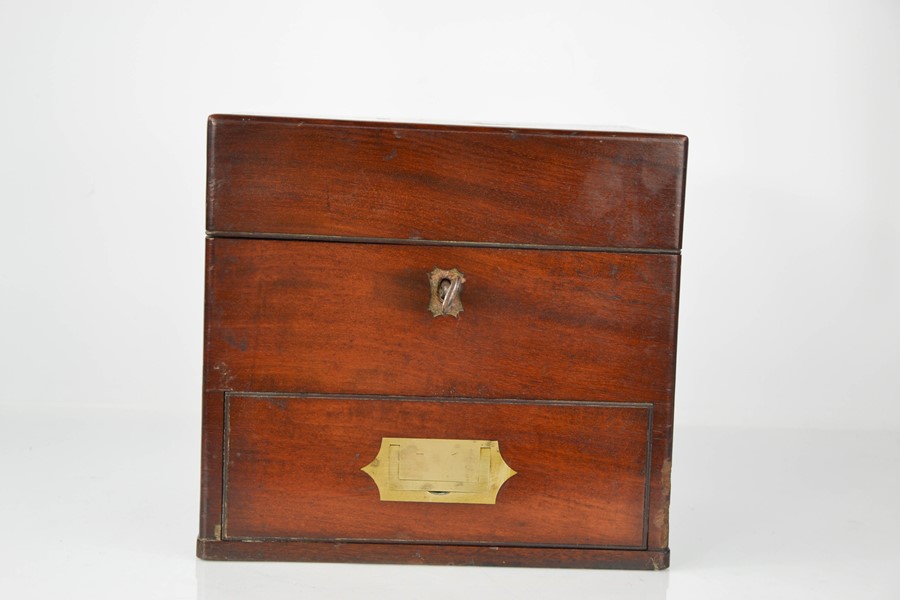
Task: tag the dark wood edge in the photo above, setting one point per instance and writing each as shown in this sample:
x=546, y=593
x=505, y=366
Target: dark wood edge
x=423, y=554
x=212, y=433
x=210, y=172
x=648, y=481
x=211, y=464
x=661, y=483
x=215, y=119
x=303, y=237
x=679, y=235
x=450, y=399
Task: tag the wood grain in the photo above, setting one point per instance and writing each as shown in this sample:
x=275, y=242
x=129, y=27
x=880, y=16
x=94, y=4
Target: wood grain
x=322, y=234
x=353, y=318
x=294, y=471
x=426, y=182
x=211, y=465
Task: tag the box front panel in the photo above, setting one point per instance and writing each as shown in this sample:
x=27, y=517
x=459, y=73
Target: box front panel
x=340, y=318
x=294, y=470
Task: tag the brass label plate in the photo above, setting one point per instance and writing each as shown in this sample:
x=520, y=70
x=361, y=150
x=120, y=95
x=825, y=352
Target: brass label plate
x=436, y=470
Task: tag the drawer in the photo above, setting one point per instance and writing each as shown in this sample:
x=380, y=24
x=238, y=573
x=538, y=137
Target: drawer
x=323, y=317
x=392, y=181
x=294, y=471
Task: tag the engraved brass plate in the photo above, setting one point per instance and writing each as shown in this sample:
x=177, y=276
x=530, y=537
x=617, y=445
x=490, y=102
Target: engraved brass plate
x=431, y=470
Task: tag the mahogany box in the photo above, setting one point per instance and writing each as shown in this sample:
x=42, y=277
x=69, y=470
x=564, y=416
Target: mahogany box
x=439, y=344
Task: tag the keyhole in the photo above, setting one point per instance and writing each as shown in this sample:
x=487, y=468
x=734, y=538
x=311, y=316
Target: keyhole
x=446, y=287
x=443, y=288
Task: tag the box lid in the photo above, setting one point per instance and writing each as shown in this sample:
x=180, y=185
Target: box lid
x=413, y=183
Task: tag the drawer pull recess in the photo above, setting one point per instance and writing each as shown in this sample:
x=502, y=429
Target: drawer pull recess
x=434, y=470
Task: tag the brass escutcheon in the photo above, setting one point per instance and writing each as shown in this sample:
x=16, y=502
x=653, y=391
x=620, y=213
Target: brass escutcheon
x=446, y=287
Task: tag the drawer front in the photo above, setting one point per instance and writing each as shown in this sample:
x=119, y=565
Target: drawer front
x=418, y=182
x=294, y=471
x=343, y=318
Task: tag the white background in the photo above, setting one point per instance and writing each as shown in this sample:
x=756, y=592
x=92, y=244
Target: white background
x=790, y=282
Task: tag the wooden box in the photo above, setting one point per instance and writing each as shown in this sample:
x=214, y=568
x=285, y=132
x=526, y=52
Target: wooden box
x=439, y=344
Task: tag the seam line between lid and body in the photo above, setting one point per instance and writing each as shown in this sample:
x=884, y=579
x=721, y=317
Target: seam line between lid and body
x=425, y=242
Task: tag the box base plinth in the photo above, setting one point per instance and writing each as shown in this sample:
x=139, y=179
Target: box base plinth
x=432, y=554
